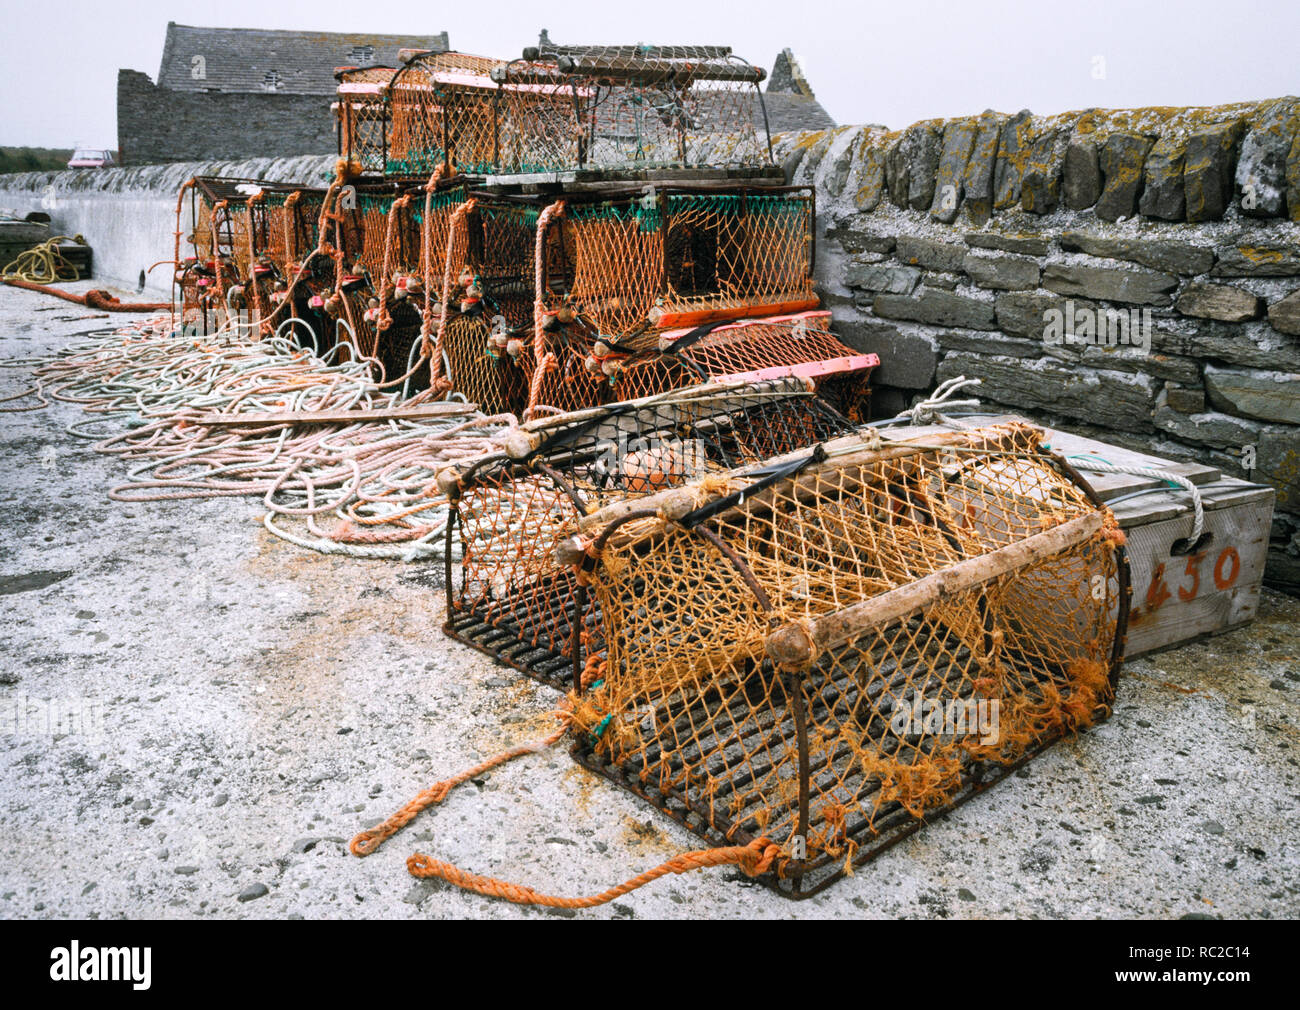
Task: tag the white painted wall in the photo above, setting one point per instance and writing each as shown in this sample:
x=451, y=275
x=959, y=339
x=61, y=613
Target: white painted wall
x=128, y=215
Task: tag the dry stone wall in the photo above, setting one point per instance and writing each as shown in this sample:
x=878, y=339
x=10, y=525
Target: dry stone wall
x=1132, y=275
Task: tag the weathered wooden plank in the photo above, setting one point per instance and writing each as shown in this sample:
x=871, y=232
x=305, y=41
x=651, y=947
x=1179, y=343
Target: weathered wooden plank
x=415, y=413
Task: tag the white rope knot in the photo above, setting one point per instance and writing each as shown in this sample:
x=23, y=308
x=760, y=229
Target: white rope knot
x=927, y=411
x=1198, y=507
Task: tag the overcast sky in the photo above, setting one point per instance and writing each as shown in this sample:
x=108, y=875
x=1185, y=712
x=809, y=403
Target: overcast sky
x=891, y=63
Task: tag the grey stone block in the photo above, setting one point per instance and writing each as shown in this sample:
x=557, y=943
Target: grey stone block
x=950, y=175
x=1040, y=186
x=1122, y=157
x=984, y=342
x=1081, y=175
x=1207, y=176
x=1007, y=273
x=1162, y=188
x=1026, y=245
x=939, y=308
x=1284, y=315
x=1014, y=144
x=1266, y=395
x=910, y=167
x=1110, y=400
x=1261, y=167
x=1184, y=399
x=871, y=177
x=1257, y=260
x=930, y=254
x=888, y=278
x=1219, y=301
x=1023, y=313
x=1158, y=254
x=1139, y=287
x=854, y=241
x=981, y=168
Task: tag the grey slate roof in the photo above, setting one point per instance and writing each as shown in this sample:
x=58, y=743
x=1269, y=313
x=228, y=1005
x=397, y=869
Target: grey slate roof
x=791, y=103
x=296, y=63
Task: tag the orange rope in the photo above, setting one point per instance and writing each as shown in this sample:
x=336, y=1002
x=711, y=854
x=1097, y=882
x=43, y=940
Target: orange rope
x=368, y=841
x=92, y=299
x=753, y=859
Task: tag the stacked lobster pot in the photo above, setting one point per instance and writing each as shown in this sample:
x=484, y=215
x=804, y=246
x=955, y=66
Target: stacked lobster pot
x=211, y=217
x=579, y=226
x=678, y=284
x=509, y=511
x=672, y=253
x=631, y=234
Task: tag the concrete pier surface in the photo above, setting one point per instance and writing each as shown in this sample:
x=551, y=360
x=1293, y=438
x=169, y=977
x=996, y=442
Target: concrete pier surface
x=256, y=705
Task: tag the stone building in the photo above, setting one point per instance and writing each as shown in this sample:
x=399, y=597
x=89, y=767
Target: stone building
x=235, y=93
x=244, y=92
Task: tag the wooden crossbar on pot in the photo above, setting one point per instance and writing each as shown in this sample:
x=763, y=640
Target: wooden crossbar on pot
x=835, y=647
x=800, y=344
x=509, y=511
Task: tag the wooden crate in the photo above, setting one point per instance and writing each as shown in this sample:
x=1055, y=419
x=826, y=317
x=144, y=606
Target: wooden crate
x=1177, y=597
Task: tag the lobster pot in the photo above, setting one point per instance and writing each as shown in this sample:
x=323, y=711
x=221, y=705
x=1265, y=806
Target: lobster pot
x=213, y=223
x=487, y=293
x=513, y=599
x=630, y=108
x=681, y=257
x=277, y=235
x=377, y=241
x=753, y=348
x=362, y=110
x=443, y=111
x=852, y=642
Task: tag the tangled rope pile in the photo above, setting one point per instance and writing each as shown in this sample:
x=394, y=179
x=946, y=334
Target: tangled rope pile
x=44, y=264
x=358, y=486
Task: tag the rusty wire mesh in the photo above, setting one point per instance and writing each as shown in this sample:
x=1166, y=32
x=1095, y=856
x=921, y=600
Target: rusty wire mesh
x=827, y=650
x=509, y=511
